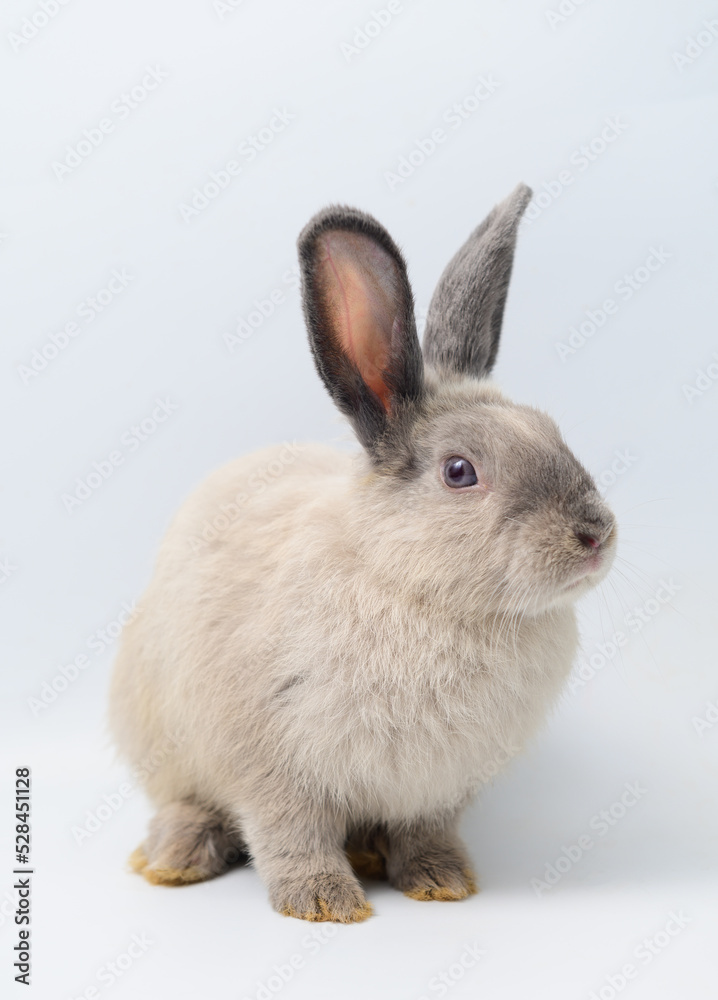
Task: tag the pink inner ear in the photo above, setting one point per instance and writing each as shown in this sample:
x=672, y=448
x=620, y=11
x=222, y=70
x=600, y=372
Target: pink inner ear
x=361, y=309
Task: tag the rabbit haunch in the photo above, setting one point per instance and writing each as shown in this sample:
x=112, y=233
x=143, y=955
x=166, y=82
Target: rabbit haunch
x=370, y=639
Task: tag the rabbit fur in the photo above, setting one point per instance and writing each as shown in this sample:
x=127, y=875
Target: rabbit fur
x=359, y=645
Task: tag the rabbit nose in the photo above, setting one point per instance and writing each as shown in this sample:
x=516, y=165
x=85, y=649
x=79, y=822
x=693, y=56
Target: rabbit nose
x=594, y=533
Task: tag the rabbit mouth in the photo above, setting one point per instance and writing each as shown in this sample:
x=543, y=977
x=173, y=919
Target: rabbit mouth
x=587, y=574
x=576, y=583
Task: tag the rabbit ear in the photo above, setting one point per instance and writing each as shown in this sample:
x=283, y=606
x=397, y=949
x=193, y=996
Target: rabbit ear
x=360, y=315
x=463, y=324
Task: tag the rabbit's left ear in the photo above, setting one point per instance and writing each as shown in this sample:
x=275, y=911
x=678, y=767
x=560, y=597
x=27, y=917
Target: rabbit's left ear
x=359, y=312
x=463, y=324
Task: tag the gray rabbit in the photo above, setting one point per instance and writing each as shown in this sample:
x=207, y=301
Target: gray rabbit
x=349, y=656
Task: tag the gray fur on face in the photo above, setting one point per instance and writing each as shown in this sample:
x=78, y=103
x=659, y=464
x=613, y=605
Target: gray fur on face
x=353, y=648
x=463, y=324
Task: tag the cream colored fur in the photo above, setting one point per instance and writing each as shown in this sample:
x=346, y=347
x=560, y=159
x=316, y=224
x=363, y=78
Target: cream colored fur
x=349, y=654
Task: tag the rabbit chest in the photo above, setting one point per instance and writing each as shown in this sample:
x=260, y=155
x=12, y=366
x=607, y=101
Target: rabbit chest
x=395, y=732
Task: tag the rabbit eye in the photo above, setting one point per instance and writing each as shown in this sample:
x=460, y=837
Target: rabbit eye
x=459, y=472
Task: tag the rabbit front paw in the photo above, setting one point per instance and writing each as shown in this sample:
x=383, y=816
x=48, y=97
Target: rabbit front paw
x=326, y=896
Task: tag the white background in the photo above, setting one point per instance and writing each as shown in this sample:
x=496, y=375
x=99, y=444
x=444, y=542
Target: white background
x=637, y=719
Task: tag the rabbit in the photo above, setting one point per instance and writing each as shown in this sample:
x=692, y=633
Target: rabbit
x=361, y=640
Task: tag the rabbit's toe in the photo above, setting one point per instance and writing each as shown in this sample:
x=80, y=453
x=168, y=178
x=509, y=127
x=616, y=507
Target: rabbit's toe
x=442, y=878
x=334, y=897
x=186, y=844
x=159, y=875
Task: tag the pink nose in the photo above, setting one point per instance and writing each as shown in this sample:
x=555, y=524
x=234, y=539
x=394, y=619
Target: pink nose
x=588, y=540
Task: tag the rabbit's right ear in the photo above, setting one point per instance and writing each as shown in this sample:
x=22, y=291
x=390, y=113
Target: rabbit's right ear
x=359, y=312
x=463, y=324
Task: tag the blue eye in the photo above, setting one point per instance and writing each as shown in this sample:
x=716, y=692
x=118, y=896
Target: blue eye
x=459, y=472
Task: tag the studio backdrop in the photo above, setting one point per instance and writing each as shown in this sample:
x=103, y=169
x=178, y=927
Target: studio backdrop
x=160, y=161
